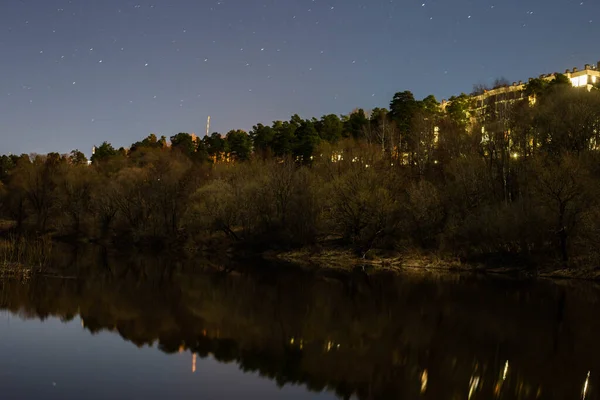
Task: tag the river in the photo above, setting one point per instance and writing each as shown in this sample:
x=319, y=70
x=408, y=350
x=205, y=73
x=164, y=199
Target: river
x=129, y=333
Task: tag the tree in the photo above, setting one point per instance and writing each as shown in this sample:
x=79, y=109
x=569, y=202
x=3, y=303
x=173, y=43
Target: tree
x=307, y=140
x=6, y=166
x=330, y=128
x=169, y=187
x=37, y=182
x=361, y=208
x=215, y=145
x=522, y=130
x=151, y=141
x=429, y=105
x=568, y=120
x=133, y=201
x=355, y=124
x=103, y=152
x=75, y=187
x=562, y=189
x=201, y=154
x=76, y=157
x=238, y=144
x=380, y=128
x=402, y=109
x=458, y=109
x=283, y=138
x=479, y=88
x=262, y=139
x=560, y=79
x=214, y=208
x=500, y=82
x=426, y=211
x=14, y=200
x=3, y=197
x=421, y=140
x=536, y=87
x=183, y=142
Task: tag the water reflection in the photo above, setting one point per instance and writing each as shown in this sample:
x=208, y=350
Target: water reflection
x=358, y=336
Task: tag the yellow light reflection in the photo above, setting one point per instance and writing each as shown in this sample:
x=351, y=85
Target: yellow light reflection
x=505, y=371
x=424, y=381
x=193, y=362
x=473, y=385
x=585, y=386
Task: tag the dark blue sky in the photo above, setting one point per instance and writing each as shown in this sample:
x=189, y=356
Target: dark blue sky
x=75, y=73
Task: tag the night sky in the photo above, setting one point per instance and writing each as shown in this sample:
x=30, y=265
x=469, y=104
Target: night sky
x=76, y=73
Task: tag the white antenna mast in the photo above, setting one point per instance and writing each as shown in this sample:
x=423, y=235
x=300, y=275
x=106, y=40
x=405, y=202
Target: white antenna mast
x=208, y=126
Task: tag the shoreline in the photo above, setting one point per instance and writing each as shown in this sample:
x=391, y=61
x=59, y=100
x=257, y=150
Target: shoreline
x=344, y=260
x=340, y=259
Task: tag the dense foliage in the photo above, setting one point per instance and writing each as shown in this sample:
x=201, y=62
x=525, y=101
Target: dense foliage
x=521, y=178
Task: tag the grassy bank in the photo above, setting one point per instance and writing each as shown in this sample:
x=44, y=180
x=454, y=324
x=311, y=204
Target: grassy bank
x=21, y=256
x=342, y=259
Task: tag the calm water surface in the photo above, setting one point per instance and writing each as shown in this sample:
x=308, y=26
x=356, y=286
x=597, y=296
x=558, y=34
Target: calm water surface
x=131, y=333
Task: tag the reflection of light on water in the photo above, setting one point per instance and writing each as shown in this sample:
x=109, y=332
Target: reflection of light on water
x=473, y=385
x=424, y=381
x=193, y=362
x=585, y=385
x=498, y=386
x=329, y=346
x=299, y=342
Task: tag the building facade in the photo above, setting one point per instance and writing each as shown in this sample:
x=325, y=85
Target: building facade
x=497, y=101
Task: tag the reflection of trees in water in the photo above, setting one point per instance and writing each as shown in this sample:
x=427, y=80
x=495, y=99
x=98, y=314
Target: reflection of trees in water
x=374, y=340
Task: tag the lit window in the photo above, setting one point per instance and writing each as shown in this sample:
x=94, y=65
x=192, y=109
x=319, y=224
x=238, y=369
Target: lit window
x=593, y=79
x=579, y=81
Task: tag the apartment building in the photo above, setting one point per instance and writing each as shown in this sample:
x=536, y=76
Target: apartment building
x=500, y=98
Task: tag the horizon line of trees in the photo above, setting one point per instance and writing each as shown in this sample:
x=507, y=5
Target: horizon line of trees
x=519, y=178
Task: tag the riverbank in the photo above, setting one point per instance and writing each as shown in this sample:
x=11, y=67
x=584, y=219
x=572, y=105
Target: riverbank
x=341, y=259
x=18, y=254
x=10, y=270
